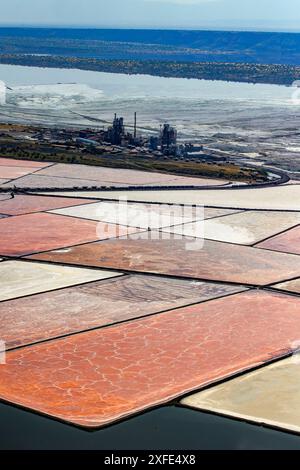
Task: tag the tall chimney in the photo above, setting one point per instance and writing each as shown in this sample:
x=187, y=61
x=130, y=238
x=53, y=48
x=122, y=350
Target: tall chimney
x=135, y=125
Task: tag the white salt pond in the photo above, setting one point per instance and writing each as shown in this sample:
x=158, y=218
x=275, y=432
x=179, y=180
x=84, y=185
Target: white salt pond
x=267, y=198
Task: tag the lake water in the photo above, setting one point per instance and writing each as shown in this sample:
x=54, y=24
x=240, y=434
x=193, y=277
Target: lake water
x=257, y=122
x=188, y=103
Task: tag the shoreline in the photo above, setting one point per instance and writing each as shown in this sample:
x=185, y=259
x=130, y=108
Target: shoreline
x=275, y=74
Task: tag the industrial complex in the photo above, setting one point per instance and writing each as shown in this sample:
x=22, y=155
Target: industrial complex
x=117, y=138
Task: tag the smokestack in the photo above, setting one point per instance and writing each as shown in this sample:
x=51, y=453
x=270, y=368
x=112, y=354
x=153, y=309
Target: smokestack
x=135, y=125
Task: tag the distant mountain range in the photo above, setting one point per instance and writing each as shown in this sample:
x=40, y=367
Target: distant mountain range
x=160, y=45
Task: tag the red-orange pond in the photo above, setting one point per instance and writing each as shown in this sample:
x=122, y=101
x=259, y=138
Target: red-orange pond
x=95, y=378
x=51, y=314
x=31, y=233
x=23, y=204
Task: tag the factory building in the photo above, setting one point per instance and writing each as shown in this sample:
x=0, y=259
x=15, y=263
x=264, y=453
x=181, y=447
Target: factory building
x=116, y=132
x=116, y=135
x=168, y=139
x=153, y=143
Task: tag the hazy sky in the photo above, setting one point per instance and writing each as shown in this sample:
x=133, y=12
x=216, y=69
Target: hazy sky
x=240, y=14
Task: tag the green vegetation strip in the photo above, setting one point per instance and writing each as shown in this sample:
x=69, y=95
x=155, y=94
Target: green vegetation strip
x=235, y=72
